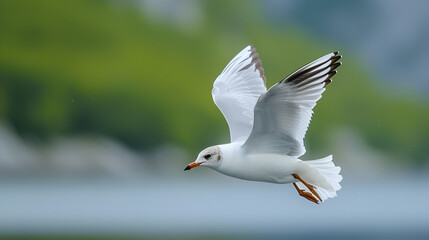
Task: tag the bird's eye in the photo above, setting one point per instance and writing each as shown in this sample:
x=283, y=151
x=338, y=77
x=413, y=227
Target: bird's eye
x=207, y=156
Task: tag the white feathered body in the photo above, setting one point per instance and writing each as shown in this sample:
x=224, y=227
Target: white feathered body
x=277, y=168
x=272, y=168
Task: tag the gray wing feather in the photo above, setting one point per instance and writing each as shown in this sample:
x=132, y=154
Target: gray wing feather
x=237, y=90
x=282, y=114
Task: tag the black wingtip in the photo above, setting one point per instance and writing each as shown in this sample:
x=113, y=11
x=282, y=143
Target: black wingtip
x=335, y=65
x=336, y=58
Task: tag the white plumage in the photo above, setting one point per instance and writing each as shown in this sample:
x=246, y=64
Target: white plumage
x=267, y=128
x=237, y=90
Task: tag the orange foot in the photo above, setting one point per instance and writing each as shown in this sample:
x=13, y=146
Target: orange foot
x=305, y=194
x=310, y=187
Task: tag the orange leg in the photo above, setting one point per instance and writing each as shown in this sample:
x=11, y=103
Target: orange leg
x=305, y=194
x=310, y=187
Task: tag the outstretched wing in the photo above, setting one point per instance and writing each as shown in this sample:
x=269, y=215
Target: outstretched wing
x=282, y=114
x=237, y=90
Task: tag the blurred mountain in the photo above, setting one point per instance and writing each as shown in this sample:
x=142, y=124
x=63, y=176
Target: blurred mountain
x=133, y=71
x=390, y=36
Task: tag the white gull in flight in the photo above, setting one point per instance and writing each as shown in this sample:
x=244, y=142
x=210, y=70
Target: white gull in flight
x=267, y=128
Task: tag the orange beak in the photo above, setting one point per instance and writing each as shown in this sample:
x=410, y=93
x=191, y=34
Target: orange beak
x=192, y=165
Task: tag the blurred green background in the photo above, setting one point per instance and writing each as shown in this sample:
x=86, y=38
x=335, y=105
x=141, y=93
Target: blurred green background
x=140, y=73
x=104, y=68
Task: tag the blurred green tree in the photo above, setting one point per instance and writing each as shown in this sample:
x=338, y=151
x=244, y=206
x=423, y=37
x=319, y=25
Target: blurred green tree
x=103, y=67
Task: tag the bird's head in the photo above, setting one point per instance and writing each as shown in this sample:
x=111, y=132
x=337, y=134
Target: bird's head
x=209, y=157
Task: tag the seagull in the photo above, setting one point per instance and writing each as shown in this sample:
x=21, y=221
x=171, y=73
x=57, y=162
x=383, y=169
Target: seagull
x=267, y=128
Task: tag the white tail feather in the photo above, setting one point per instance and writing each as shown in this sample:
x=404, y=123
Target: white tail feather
x=324, y=175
